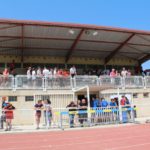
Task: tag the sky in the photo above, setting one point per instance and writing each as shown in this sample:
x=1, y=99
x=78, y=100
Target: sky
x=133, y=14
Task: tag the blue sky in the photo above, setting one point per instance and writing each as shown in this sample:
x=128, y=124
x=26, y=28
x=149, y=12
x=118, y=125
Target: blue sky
x=134, y=14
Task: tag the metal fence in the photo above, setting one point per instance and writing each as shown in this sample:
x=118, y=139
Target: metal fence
x=6, y=82
x=68, y=118
x=58, y=82
x=133, y=81
x=86, y=80
x=108, y=81
x=24, y=82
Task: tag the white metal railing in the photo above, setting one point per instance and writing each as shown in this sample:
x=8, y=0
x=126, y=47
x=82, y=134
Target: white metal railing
x=86, y=80
x=24, y=82
x=58, y=82
x=133, y=81
x=6, y=82
x=147, y=81
x=108, y=81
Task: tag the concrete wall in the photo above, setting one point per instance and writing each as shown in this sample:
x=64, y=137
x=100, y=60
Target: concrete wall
x=73, y=60
x=25, y=113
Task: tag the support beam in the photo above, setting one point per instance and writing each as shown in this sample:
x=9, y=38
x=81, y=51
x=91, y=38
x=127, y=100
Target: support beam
x=144, y=59
x=73, y=46
x=7, y=27
x=22, y=43
x=68, y=39
x=114, y=52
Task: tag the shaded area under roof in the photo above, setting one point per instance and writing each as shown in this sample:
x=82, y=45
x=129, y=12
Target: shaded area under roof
x=36, y=38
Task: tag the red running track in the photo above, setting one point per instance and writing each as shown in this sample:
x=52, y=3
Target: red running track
x=135, y=137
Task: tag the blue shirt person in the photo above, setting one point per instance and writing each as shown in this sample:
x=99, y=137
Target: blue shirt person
x=104, y=103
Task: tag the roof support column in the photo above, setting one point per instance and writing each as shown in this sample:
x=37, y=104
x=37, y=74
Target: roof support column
x=22, y=44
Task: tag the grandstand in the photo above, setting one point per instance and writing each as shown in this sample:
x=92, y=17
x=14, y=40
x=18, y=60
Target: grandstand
x=33, y=43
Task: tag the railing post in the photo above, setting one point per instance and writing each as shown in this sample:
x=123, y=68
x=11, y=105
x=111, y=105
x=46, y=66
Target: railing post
x=14, y=83
x=123, y=82
x=74, y=82
x=89, y=108
x=120, y=108
x=98, y=81
x=144, y=82
x=44, y=83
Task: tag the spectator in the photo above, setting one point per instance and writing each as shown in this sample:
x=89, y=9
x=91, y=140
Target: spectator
x=12, y=66
x=45, y=72
x=3, y=116
x=72, y=109
x=29, y=73
x=83, y=112
x=95, y=102
x=104, y=103
x=123, y=101
x=38, y=107
x=47, y=113
x=116, y=100
x=8, y=110
x=5, y=74
x=39, y=72
x=128, y=73
x=113, y=73
x=113, y=103
x=73, y=71
x=33, y=75
x=124, y=72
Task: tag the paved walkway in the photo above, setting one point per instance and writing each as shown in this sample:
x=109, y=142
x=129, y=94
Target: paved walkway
x=32, y=128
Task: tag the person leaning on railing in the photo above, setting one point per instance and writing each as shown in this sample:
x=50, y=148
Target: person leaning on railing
x=83, y=111
x=72, y=111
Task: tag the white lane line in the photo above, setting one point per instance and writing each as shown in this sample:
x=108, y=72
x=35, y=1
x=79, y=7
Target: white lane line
x=130, y=146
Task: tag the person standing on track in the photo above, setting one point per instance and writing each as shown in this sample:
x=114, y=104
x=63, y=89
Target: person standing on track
x=8, y=110
x=38, y=107
x=47, y=113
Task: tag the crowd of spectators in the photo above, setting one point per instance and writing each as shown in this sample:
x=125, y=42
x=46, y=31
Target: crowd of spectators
x=96, y=104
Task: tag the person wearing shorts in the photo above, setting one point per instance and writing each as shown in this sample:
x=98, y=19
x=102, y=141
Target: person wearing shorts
x=8, y=110
x=38, y=107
